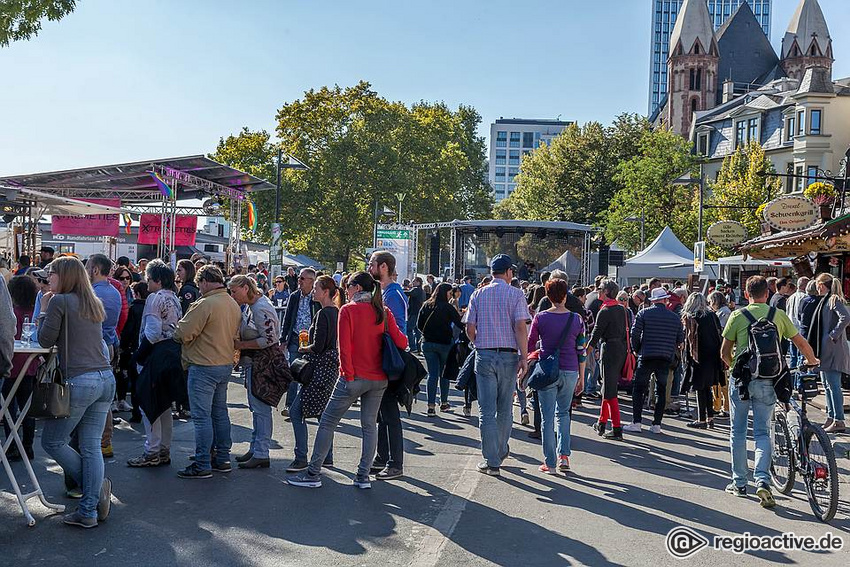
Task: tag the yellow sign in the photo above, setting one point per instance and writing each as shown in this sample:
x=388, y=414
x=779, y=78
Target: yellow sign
x=727, y=233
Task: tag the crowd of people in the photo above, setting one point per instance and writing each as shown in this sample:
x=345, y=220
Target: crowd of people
x=161, y=344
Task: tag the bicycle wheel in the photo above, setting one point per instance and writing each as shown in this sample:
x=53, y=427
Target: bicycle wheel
x=821, y=473
x=782, y=470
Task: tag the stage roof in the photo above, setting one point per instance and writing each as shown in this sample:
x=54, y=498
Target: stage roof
x=194, y=176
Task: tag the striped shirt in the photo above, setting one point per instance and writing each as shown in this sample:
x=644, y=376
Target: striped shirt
x=494, y=310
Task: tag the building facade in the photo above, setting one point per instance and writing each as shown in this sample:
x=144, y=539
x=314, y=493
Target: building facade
x=510, y=139
x=664, y=14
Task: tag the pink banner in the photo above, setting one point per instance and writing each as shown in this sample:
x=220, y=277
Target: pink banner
x=88, y=225
x=185, y=228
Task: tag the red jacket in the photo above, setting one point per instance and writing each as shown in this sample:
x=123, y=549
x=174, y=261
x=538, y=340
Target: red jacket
x=125, y=307
x=360, y=341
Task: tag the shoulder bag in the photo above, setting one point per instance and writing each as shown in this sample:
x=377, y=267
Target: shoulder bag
x=547, y=370
x=628, y=372
x=391, y=361
x=51, y=396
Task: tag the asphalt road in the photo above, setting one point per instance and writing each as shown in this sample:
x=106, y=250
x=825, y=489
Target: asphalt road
x=615, y=508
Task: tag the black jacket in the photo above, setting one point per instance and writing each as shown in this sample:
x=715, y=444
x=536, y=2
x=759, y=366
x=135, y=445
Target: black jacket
x=406, y=389
x=290, y=315
x=130, y=333
x=415, y=299
x=573, y=303
x=435, y=321
x=189, y=293
x=161, y=380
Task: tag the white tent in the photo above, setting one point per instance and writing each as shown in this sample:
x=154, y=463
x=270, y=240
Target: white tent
x=567, y=262
x=665, y=250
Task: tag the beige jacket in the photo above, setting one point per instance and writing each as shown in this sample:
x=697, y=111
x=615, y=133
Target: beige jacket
x=208, y=329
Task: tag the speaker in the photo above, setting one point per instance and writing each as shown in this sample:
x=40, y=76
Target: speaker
x=604, y=251
x=434, y=253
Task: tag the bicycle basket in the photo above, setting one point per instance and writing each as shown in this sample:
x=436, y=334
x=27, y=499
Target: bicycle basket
x=808, y=386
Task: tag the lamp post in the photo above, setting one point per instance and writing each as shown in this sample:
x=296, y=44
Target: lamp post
x=291, y=163
x=642, y=220
x=400, y=197
x=688, y=180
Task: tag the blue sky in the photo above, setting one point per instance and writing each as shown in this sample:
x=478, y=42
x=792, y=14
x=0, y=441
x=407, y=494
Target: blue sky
x=127, y=80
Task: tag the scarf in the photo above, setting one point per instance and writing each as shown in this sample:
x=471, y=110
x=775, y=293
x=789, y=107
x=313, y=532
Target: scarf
x=610, y=302
x=362, y=297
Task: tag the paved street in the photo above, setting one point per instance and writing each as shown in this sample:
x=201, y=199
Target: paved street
x=614, y=509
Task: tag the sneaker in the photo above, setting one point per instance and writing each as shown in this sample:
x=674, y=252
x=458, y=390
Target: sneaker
x=104, y=503
x=432, y=412
x=655, y=429
x=116, y=420
x=184, y=415
x=145, y=460
x=736, y=490
x=599, y=428
x=74, y=493
x=377, y=466
x=194, y=471
x=305, y=480
x=107, y=451
x=633, y=428
x=835, y=427
x=390, y=473
x=222, y=467
x=563, y=463
x=484, y=468
x=123, y=406
x=544, y=468
x=594, y=396
x=524, y=418
x=164, y=456
x=284, y=412
x=295, y=466
x=75, y=519
x=765, y=495
x=445, y=407
x=244, y=457
x=362, y=482
x=616, y=434
x=328, y=464
x=255, y=463
x=467, y=412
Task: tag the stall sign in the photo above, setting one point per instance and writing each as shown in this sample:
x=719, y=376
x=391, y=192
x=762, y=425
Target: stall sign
x=791, y=212
x=185, y=228
x=88, y=225
x=727, y=233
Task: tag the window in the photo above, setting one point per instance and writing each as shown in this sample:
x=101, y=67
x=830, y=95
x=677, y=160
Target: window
x=740, y=133
x=528, y=139
x=801, y=122
x=501, y=139
x=515, y=139
x=798, y=179
x=512, y=172
x=500, y=157
x=789, y=129
x=814, y=122
x=514, y=158
x=501, y=135
x=789, y=181
x=696, y=78
x=500, y=173
x=702, y=144
x=811, y=175
x=500, y=190
x=752, y=129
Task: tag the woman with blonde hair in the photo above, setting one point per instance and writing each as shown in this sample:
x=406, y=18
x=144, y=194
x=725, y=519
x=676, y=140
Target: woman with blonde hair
x=70, y=319
x=259, y=332
x=828, y=339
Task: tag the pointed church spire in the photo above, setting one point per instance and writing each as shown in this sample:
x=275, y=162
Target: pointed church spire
x=807, y=41
x=693, y=33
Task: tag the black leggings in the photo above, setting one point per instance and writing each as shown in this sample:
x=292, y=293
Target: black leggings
x=705, y=404
x=390, y=437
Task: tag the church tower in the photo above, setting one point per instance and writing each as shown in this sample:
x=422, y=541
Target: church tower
x=807, y=41
x=691, y=67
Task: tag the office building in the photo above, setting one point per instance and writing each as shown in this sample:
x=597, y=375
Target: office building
x=664, y=13
x=510, y=139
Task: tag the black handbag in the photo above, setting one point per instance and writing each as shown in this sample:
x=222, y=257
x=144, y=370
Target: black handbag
x=302, y=370
x=51, y=396
x=547, y=370
x=391, y=361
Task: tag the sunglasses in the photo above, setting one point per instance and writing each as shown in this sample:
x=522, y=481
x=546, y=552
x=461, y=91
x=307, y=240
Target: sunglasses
x=127, y=278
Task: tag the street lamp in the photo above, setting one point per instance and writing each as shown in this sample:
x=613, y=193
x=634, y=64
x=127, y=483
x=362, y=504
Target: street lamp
x=642, y=220
x=386, y=211
x=688, y=180
x=400, y=197
x=291, y=163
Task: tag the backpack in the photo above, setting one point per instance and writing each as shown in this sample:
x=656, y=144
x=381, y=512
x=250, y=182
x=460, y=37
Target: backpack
x=766, y=360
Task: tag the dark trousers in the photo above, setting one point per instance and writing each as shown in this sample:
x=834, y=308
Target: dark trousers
x=535, y=405
x=644, y=371
x=390, y=437
x=705, y=404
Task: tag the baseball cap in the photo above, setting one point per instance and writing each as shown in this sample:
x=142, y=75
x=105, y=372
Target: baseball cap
x=501, y=263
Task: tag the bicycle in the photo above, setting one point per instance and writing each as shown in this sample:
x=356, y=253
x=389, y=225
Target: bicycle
x=808, y=452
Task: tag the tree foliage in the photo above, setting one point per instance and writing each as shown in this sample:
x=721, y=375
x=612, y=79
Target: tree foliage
x=647, y=189
x=743, y=183
x=363, y=151
x=572, y=178
x=21, y=19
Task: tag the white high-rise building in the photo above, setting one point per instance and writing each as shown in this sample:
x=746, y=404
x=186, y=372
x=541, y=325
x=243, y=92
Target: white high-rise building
x=510, y=139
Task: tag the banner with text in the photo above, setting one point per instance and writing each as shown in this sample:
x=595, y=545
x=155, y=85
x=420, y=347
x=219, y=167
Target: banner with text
x=88, y=225
x=185, y=228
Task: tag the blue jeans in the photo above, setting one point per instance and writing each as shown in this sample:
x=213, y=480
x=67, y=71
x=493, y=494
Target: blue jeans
x=495, y=376
x=436, y=356
x=292, y=352
x=299, y=428
x=261, y=413
x=208, y=398
x=413, y=332
x=91, y=396
x=591, y=375
x=762, y=400
x=796, y=358
x=555, y=402
x=834, y=396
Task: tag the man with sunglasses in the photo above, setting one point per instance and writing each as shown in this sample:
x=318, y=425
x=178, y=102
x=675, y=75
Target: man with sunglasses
x=300, y=309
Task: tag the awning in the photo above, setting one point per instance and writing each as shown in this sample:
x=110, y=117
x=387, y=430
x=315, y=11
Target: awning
x=832, y=237
x=47, y=204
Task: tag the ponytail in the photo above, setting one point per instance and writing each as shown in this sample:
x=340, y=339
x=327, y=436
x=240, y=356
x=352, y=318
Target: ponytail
x=837, y=293
x=368, y=284
x=378, y=304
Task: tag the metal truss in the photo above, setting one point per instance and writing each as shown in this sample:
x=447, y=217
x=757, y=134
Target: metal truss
x=204, y=185
x=156, y=209
x=586, y=259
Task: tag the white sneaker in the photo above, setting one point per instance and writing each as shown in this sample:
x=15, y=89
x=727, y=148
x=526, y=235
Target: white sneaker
x=124, y=406
x=655, y=429
x=633, y=428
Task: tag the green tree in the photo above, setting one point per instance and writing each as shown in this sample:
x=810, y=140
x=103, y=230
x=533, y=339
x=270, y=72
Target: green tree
x=573, y=177
x=646, y=178
x=742, y=185
x=21, y=19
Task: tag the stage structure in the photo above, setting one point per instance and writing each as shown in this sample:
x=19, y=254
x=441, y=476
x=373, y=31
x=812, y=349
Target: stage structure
x=473, y=242
x=190, y=177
